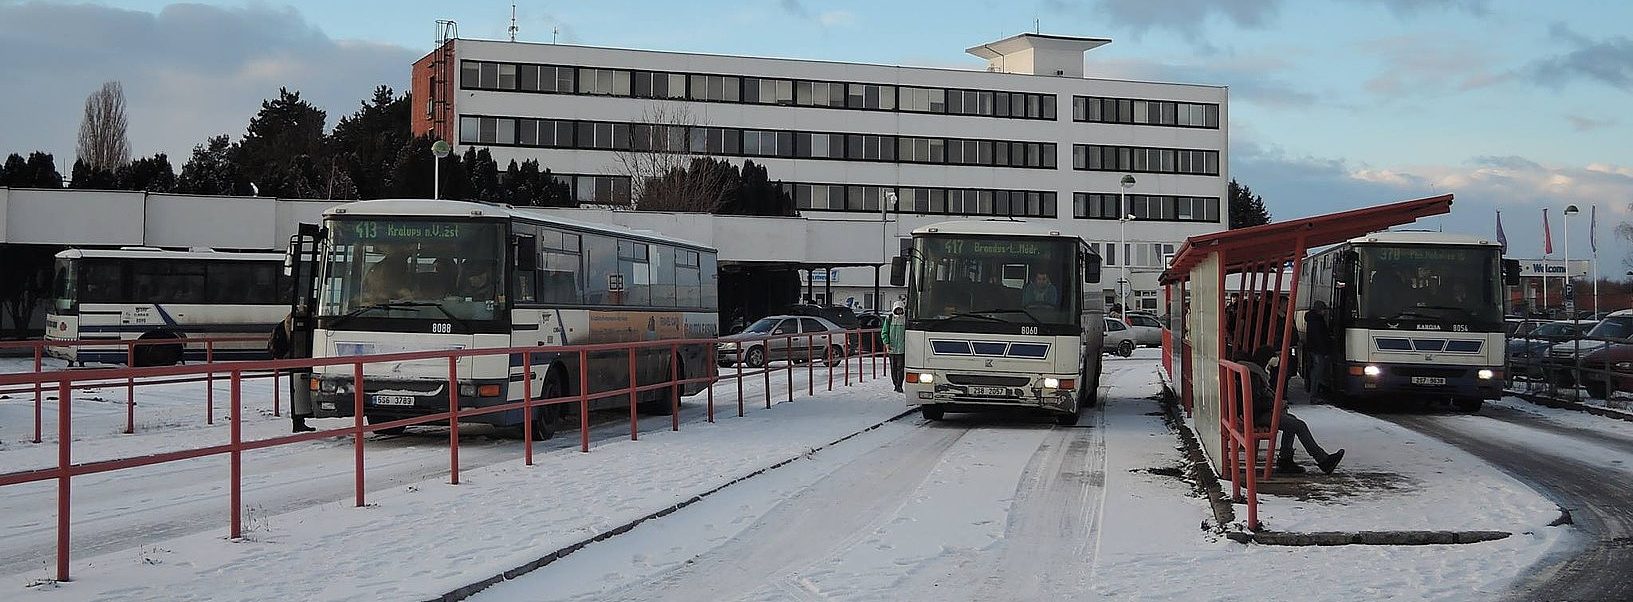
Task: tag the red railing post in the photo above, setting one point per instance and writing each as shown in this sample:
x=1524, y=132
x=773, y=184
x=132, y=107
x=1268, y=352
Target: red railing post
x=276, y=393
x=711, y=368
x=209, y=381
x=65, y=439
x=875, y=356
x=130, y=389
x=789, y=365
x=527, y=407
x=828, y=341
x=674, y=387
x=357, y=428
x=38, y=350
x=765, y=371
x=739, y=363
x=848, y=363
x=453, y=420
x=583, y=400
x=237, y=457
x=810, y=365
x=633, y=390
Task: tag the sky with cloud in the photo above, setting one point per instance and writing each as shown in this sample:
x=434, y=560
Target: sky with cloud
x=1510, y=104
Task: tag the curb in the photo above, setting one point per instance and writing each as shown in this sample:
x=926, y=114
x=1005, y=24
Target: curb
x=1572, y=405
x=1375, y=538
x=1198, y=467
x=472, y=589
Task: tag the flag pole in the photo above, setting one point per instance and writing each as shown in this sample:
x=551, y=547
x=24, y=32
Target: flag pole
x=1593, y=241
x=1547, y=249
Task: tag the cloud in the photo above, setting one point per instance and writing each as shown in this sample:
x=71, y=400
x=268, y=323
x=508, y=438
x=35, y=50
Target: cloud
x=189, y=71
x=836, y=18
x=1422, y=64
x=1588, y=124
x=795, y=7
x=1188, y=17
x=826, y=19
x=1302, y=186
x=1251, y=78
x=1608, y=61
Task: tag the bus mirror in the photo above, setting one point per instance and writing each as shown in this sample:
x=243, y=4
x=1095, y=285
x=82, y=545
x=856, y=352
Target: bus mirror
x=1511, y=272
x=898, y=271
x=1091, y=268
x=289, y=258
x=527, y=253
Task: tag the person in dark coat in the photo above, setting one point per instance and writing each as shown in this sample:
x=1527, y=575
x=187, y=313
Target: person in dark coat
x=1291, y=427
x=1317, y=345
x=282, y=345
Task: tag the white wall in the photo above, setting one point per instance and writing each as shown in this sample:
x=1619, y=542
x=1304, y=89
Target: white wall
x=101, y=218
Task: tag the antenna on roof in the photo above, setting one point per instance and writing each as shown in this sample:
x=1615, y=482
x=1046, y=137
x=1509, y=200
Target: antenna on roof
x=1037, y=26
x=513, y=27
x=554, y=33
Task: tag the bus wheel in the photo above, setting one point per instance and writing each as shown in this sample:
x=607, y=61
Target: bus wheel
x=1068, y=418
x=1088, y=395
x=1125, y=348
x=158, y=354
x=1595, y=388
x=665, y=405
x=545, y=418
x=932, y=412
x=756, y=357
x=1468, y=404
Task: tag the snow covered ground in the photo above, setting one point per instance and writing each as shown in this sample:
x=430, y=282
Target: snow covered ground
x=968, y=508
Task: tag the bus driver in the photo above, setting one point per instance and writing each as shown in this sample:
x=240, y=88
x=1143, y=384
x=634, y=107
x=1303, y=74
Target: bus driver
x=1040, y=291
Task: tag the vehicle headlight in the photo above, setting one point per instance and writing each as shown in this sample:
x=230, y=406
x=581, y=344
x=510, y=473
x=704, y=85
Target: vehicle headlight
x=1486, y=374
x=467, y=390
x=728, y=346
x=1623, y=365
x=927, y=378
x=1051, y=383
x=1372, y=371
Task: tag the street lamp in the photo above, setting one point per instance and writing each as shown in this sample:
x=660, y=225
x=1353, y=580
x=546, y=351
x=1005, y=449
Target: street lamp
x=1570, y=297
x=884, y=243
x=1122, y=237
x=439, y=149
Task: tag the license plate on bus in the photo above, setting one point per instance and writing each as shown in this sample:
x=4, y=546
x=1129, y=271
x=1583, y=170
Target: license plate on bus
x=988, y=391
x=393, y=400
x=1428, y=380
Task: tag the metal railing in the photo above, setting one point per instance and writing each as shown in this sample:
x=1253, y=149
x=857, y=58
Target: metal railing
x=67, y=381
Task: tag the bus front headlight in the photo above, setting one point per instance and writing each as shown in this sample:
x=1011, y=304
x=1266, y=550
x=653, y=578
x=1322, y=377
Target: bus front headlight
x=1372, y=371
x=1486, y=374
x=1051, y=383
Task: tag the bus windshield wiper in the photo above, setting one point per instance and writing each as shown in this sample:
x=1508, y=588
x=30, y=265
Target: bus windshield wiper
x=343, y=318
x=967, y=314
x=1010, y=311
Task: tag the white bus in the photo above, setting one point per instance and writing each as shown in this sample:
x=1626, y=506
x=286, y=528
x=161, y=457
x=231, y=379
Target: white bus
x=1410, y=314
x=147, y=293
x=419, y=275
x=998, y=316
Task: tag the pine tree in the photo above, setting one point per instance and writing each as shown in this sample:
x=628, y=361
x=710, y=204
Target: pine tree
x=1246, y=208
x=83, y=176
x=366, y=143
x=283, y=148
x=152, y=174
x=212, y=170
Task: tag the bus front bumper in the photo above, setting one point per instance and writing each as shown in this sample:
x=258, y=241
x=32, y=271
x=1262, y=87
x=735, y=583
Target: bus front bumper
x=1406, y=379
x=391, y=399
x=971, y=397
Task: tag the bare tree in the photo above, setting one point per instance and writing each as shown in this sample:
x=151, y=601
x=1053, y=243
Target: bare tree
x=668, y=164
x=103, y=143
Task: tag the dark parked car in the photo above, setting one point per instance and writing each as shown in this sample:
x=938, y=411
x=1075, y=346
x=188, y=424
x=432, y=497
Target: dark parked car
x=1561, y=361
x=1608, y=370
x=1527, y=351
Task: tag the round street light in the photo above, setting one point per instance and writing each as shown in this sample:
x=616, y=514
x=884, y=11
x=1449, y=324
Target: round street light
x=439, y=149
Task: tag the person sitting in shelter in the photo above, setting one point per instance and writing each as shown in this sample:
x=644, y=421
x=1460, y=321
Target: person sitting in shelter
x=1040, y=291
x=1291, y=427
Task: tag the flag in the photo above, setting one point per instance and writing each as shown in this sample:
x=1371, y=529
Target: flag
x=1547, y=235
x=1593, y=224
x=1502, y=239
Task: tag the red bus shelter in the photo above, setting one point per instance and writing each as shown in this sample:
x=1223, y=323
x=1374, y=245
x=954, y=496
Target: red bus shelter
x=1214, y=389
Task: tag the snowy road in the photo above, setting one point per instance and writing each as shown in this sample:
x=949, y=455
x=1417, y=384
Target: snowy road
x=972, y=507
x=129, y=508
x=1585, y=467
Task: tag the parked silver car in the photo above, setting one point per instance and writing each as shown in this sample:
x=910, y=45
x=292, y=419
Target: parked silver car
x=1147, y=329
x=786, y=337
x=1119, y=338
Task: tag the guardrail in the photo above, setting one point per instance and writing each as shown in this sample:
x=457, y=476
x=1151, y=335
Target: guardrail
x=38, y=347
x=1592, y=367
x=64, y=381
x=1241, y=436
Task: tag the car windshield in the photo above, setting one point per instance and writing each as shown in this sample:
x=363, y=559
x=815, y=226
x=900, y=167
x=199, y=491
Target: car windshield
x=1554, y=330
x=763, y=326
x=391, y=268
x=1614, y=329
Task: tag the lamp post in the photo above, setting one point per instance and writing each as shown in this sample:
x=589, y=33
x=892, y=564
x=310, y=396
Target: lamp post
x=1122, y=238
x=884, y=244
x=1570, y=299
x=439, y=150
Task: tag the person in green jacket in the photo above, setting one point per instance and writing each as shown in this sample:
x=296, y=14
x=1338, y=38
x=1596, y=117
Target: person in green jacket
x=894, y=327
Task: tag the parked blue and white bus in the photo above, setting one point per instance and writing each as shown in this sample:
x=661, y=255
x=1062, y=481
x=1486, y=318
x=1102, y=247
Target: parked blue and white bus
x=421, y=275
x=147, y=293
x=1412, y=314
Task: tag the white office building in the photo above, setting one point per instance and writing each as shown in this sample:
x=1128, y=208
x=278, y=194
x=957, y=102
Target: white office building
x=1030, y=137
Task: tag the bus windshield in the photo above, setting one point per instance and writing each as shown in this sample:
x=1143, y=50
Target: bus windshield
x=1021, y=280
x=65, y=286
x=1433, y=283
x=408, y=268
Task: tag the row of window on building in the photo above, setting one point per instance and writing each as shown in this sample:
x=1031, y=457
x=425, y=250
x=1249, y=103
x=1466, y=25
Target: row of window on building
x=1097, y=109
x=1137, y=254
x=1100, y=157
x=644, y=137
x=558, y=79
x=1151, y=207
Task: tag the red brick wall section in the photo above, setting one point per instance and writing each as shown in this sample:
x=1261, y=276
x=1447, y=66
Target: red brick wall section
x=432, y=86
